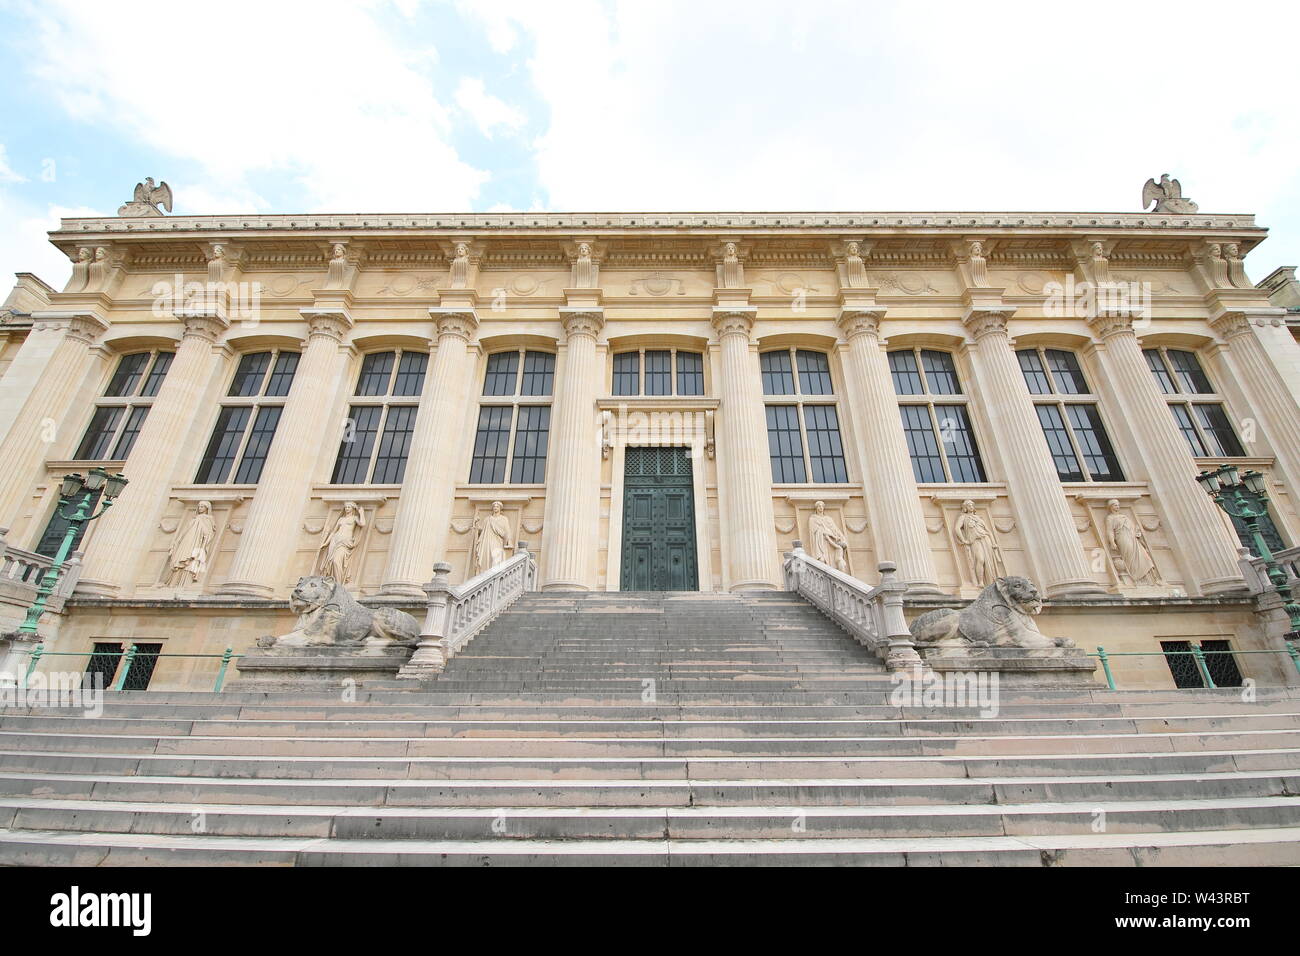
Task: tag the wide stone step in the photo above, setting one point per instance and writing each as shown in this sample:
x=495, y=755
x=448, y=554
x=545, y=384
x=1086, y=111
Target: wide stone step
x=1279, y=846
x=652, y=823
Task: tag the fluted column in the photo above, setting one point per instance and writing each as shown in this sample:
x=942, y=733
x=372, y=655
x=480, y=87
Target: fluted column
x=1270, y=399
x=896, y=516
x=428, y=491
x=271, y=530
x=1208, y=554
x=745, y=484
x=573, y=469
x=122, y=536
x=1042, y=512
x=67, y=340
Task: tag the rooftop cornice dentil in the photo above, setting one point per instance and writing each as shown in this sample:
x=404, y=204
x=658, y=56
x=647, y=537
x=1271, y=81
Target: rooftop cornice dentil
x=751, y=224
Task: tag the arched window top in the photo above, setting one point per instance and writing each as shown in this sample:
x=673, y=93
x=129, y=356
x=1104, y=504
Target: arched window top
x=398, y=372
x=658, y=371
x=520, y=372
x=1052, y=372
x=779, y=368
x=924, y=372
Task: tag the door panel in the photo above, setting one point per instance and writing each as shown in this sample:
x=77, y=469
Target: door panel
x=658, y=521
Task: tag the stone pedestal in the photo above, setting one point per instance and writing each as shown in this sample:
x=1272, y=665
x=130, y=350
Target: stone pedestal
x=317, y=668
x=1017, y=667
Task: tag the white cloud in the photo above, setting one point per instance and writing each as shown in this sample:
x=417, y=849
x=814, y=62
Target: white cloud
x=487, y=111
x=7, y=175
x=25, y=245
x=322, y=93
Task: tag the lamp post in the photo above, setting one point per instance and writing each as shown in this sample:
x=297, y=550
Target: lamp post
x=84, y=489
x=1245, y=496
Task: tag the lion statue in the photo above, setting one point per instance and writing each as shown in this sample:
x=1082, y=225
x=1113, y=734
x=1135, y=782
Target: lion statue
x=1002, y=616
x=328, y=614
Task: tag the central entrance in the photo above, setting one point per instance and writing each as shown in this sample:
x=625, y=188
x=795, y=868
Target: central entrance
x=658, y=521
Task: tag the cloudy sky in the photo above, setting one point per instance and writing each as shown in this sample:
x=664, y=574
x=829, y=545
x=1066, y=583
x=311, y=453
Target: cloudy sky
x=408, y=106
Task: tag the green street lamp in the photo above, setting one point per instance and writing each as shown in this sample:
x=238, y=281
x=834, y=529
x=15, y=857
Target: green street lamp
x=1245, y=496
x=85, y=489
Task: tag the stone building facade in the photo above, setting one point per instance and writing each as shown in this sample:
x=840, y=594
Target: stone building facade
x=658, y=401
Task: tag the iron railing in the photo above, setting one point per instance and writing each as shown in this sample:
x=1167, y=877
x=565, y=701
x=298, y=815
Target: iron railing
x=125, y=660
x=1196, y=652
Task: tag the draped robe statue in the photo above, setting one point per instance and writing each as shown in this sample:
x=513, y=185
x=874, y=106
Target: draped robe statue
x=188, y=558
x=829, y=545
x=335, y=555
x=973, y=534
x=1131, y=545
x=492, y=539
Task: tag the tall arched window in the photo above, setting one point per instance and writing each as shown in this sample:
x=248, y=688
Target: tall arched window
x=120, y=413
x=514, y=419
x=803, y=429
x=936, y=422
x=249, y=416
x=377, y=434
x=1069, y=415
x=658, y=372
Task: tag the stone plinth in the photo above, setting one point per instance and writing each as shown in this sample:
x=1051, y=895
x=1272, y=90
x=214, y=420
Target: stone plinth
x=1018, y=666
x=317, y=668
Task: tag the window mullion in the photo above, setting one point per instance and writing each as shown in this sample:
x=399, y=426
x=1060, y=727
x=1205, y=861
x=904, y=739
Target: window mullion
x=249, y=426
x=938, y=437
x=1074, y=441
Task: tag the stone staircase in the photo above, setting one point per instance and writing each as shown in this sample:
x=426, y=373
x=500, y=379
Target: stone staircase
x=664, y=729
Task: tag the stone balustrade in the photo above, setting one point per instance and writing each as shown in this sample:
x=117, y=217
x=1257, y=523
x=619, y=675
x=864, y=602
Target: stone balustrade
x=21, y=573
x=456, y=614
x=872, y=615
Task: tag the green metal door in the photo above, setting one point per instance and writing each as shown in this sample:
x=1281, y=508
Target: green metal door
x=658, y=521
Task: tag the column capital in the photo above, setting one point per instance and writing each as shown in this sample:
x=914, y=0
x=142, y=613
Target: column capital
x=986, y=320
x=858, y=320
x=1232, y=323
x=333, y=323
x=82, y=326
x=203, y=324
x=460, y=322
x=587, y=320
x=1106, y=324
x=734, y=319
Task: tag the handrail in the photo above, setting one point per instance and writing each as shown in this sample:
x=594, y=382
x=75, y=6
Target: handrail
x=125, y=659
x=1196, y=651
x=456, y=614
x=873, y=616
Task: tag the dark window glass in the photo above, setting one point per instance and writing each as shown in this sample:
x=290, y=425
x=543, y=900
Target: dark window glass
x=1267, y=530
x=690, y=373
x=410, y=373
x=129, y=370
x=353, y=462
x=156, y=374
x=959, y=443
x=825, y=451
x=1035, y=376
x=1189, y=372
x=778, y=377
x=1219, y=662
x=248, y=376
x=395, y=445
x=539, y=373
x=249, y=471
x=103, y=425
x=940, y=373
x=281, y=380
x=1184, y=420
x=1217, y=428
x=528, y=465
x=784, y=443
x=658, y=372
x=907, y=377
x=814, y=373
x=1098, y=455
x=126, y=441
x=627, y=373
x=376, y=369
x=142, y=665
x=927, y=466
x=1164, y=381
x=101, y=665
x=223, y=445
x=1058, y=442
x=491, y=445
x=57, y=527
x=1066, y=372
x=502, y=374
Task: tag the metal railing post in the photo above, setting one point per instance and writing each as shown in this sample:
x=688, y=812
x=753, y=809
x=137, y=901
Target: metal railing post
x=37, y=651
x=125, y=666
x=225, y=662
x=1105, y=666
x=1200, y=664
x=1295, y=655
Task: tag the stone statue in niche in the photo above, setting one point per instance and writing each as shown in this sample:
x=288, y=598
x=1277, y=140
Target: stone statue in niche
x=855, y=271
x=188, y=558
x=148, y=198
x=829, y=545
x=329, y=615
x=982, y=554
x=335, y=555
x=80, y=270
x=584, y=268
x=491, y=539
x=460, y=266
x=1002, y=616
x=731, y=274
x=1129, y=545
x=1167, y=195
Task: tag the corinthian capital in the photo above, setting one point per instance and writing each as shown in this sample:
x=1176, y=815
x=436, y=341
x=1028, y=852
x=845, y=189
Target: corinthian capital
x=733, y=321
x=582, y=321
x=1106, y=324
x=462, y=323
x=855, y=322
x=982, y=322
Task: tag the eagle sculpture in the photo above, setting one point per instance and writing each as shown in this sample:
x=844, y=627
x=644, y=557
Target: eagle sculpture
x=1167, y=195
x=148, y=198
